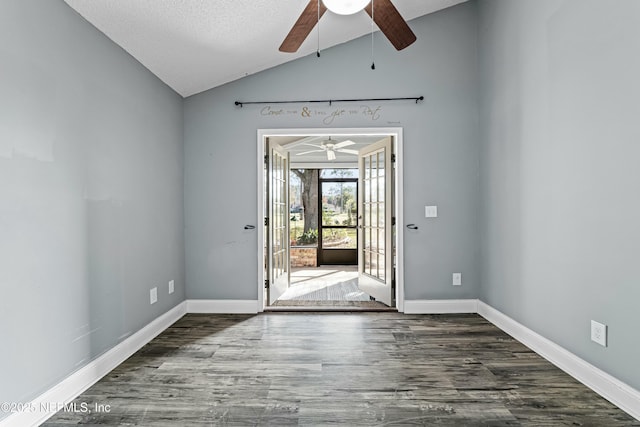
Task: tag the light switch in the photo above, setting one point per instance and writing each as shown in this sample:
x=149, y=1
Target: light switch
x=431, y=211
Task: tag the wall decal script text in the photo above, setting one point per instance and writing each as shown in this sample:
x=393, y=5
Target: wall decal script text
x=328, y=115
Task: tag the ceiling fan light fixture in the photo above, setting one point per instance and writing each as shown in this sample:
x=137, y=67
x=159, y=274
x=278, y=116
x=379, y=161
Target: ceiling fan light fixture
x=345, y=7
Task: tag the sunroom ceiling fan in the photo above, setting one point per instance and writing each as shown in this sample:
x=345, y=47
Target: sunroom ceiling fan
x=383, y=13
x=331, y=147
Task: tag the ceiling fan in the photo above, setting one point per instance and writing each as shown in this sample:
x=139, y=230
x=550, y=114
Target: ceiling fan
x=383, y=12
x=331, y=148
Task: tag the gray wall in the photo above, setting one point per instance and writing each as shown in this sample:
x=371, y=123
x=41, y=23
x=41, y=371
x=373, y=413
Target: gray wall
x=560, y=172
x=91, y=209
x=440, y=140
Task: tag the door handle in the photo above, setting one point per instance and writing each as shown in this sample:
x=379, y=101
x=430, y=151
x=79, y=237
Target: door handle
x=249, y=227
x=412, y=226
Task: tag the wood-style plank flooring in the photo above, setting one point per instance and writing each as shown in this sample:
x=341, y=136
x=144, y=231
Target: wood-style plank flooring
x=353, y=369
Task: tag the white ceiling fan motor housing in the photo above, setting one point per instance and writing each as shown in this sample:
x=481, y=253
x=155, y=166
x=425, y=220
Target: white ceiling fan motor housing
x=345, y=7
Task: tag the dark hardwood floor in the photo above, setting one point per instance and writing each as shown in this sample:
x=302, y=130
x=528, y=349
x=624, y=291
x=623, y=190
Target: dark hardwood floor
x=350, y=369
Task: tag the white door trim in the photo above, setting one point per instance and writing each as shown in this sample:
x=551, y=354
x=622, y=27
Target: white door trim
x=396, y=132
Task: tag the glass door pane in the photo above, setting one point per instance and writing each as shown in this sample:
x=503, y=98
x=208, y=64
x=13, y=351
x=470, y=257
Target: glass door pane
x=376, y=266
x=373, y=220
x=339, y=215
x=278, y=222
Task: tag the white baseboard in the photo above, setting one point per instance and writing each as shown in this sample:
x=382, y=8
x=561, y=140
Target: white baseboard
x=43, y=407
x=222, y=306
x=615, y=391
x=445, y=306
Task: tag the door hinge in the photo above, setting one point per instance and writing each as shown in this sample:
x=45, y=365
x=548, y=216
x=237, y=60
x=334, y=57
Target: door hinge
x=393, y=158
x=266, y=284
x=266, y=220
x=266, y=159
x=393, y=220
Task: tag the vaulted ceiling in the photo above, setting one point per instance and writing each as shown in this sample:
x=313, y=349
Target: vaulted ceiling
x=195, y=45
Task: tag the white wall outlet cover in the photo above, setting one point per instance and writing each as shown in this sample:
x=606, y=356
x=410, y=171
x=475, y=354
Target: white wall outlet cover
x=153, y=295
x=457, y=279
x=599, y=333
x=172, y=286
x=431, y=211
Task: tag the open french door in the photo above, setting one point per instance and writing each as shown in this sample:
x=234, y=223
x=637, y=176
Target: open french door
x=277, y=221
x=375, y=249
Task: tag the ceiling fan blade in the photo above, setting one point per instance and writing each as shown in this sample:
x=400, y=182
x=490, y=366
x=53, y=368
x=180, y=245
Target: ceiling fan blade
x=331, y=155
x=307, y=152
x=313, y=145
x=344, y=144
x=303, y=26
x=348, y=151
x=391, y=23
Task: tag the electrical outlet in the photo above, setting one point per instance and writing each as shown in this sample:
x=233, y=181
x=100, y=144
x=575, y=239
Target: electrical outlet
x=599, y=333
x=457, y=279
x=172, y=286
x=153, y=295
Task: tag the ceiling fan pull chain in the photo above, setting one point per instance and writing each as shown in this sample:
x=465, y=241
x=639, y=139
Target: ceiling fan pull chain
x=373, y=62
x=318, y=50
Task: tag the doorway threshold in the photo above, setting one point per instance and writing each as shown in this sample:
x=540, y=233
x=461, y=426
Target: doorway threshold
x=316, y=309
x=296, y=305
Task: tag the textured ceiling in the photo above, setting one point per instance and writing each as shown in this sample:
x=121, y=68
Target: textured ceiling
x=195, y=45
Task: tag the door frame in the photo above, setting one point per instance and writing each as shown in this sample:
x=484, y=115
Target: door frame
x=396, y=134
